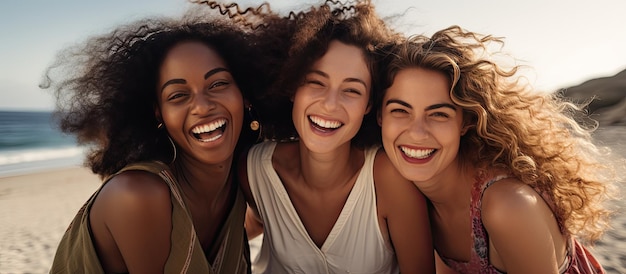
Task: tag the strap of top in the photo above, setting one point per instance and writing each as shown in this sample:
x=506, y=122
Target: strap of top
x=491, y=182
x=186, y=255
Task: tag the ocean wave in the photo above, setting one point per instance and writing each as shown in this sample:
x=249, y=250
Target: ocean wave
x=39, y=154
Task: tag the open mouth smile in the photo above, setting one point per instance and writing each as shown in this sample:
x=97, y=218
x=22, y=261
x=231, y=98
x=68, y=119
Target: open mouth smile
x=417, y=153
x=323, y=124
x=209, y=132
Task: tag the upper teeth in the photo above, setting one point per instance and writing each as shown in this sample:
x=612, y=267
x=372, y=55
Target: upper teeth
x=325, y=123
x=417, y=153
x=208, y=127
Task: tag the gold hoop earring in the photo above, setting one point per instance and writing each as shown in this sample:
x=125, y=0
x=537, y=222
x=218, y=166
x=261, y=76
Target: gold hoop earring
x=161, y=126
x=173, y=148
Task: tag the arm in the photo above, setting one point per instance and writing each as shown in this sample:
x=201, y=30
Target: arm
x=131, y=223
x=406, y=214
x=522, y=229
x=253, y=224
x=442, y=268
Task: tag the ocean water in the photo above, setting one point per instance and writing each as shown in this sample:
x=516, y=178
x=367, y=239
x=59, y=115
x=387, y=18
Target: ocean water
x=31, y=142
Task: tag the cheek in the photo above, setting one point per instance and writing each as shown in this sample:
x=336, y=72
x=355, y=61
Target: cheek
x=298, y=108
x=237, y=110
x=449, y=134
x=389, y=132
x=171, y=116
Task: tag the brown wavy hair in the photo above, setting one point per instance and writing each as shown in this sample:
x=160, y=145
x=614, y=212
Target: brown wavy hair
x=541, y=138
x=295, y=41
x=105, y=88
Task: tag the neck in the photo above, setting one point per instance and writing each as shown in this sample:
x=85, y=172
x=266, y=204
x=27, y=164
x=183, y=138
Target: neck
x=450, y=190
x=201, y=180
x=332, y=169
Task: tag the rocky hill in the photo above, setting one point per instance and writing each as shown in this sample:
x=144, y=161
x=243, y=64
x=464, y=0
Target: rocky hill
x=609, y=105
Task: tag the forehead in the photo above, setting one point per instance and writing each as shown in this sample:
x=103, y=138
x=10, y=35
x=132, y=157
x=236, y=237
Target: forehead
x=345, y=59
x=419, y=84
x=192, y=54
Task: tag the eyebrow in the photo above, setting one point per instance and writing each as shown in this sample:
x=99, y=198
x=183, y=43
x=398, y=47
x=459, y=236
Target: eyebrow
x=353, y=80
x=183, y=81
x=431, y=107
x=214, y=71
x=443, y=105
x=391, y=101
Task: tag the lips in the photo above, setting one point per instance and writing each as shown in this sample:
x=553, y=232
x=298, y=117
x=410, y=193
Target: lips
x=323, y=124
x=417, y=153
x=209, y=132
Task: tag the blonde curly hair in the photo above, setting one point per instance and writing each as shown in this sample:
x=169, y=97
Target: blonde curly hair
x=541, y=138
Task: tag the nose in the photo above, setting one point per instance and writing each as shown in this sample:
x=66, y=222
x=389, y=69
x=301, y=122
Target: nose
x=202, y=104
x=418, y=129
x=329, y=101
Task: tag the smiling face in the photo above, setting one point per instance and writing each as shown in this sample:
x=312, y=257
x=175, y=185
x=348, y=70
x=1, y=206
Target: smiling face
x=329, y=106
x=421, y=126
x=199, y=102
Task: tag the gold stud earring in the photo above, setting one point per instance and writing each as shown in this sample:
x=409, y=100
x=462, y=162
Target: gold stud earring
x=254, y=125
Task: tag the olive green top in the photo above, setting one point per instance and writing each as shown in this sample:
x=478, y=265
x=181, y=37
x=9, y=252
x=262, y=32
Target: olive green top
x=76, y=252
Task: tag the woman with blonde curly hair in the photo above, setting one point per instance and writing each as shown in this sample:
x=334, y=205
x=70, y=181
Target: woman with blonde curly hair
x=514, y=180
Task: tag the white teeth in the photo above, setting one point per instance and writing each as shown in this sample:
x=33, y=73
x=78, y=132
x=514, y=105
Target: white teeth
x=325, y=123
x=417, y=153
x=211, y=139
x=209, y=127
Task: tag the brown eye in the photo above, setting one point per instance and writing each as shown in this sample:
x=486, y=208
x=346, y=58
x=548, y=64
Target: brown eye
x=441, y=114
x=398, y=110
x=355, y=91
x=314, y=83
x=176, y=95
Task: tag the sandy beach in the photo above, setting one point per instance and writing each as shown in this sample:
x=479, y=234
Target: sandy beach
x=35, y=210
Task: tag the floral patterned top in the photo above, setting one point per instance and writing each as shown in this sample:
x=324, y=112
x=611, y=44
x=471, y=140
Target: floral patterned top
x=578, y=261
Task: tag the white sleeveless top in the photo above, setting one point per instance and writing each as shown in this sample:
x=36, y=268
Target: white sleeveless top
x=354, y=245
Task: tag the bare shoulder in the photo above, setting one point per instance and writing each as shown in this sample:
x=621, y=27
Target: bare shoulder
x=131, y=221
x=509, y=203
x=129, y=201
x=391, y=188
x=133, y=191
x=404, y=213
x=385, y=171
x=521, y=228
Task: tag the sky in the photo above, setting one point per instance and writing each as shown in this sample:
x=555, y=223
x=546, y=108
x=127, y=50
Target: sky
x=564, y=42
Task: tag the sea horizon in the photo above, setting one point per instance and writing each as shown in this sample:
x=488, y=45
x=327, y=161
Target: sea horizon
x=30, y=141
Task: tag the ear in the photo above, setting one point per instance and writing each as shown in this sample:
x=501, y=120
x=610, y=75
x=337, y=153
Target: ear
x=368, y=109
x=379, y=118
x=157, y=114
x=465, y=129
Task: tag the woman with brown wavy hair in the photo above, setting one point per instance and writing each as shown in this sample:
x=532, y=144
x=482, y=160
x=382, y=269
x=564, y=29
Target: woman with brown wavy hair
x=327, y=197
x=514, y=180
